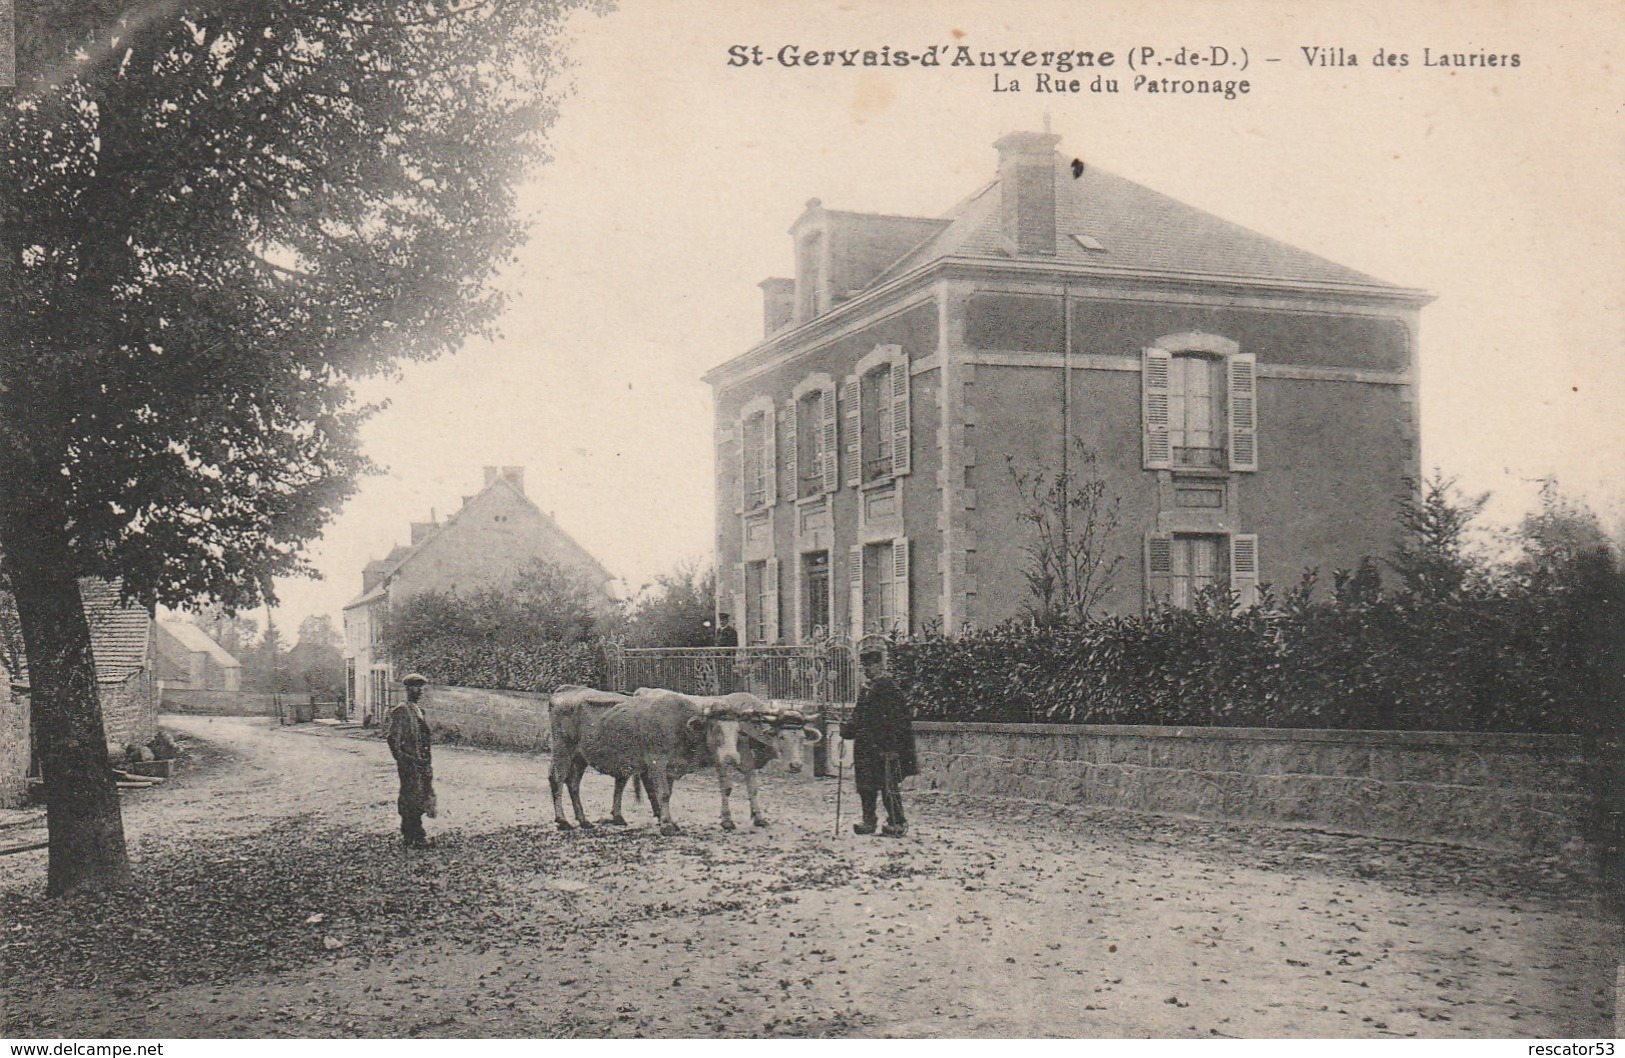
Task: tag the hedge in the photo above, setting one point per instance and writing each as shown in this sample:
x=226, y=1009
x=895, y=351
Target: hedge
x=505, y=665
x=1502, y=662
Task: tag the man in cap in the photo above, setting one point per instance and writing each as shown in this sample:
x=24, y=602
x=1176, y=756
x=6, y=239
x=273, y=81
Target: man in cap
x=407, y=730
x=884, y=754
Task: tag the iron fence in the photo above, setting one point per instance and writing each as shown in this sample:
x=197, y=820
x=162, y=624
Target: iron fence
x=822, y=677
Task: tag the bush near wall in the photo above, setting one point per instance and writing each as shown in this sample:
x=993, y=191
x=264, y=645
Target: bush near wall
x=1491, y=662
x=460, y=662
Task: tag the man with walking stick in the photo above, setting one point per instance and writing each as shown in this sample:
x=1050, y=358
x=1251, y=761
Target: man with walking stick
x=883, y=755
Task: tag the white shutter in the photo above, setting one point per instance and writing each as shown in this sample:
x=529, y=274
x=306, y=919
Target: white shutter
x=1159, y=568
x=1155, y=365
x=1244, y=567
x=770, y=598
x=854, y=582
x=770, y=455
x=1243, y=403
x=745, y=465
x=829, y=454
x=741, y=615
x=852, y=396
x=899, y=415
x=792, y=454
x=899, y=581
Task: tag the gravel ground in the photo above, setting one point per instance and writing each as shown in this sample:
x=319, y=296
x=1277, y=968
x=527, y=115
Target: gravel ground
x=274, y=900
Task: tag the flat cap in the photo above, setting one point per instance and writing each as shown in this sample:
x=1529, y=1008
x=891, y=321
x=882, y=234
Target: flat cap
x=412, y=677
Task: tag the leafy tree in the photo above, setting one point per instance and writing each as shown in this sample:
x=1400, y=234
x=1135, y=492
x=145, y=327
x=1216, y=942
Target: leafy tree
x=217, y=215
x=316, y=662
x=265, y=665
x=1554, y=538
x=520, y=636
x=1071, y=567
x=677, y=610
x=1433, y=557
x=235, y=635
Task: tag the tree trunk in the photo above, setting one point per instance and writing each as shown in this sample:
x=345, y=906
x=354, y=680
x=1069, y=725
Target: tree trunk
x=84, y=824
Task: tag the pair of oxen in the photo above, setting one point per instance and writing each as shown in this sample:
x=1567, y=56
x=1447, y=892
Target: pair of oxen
x=654, y=737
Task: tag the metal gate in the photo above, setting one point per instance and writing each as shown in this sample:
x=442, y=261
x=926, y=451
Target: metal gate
x=817, y=679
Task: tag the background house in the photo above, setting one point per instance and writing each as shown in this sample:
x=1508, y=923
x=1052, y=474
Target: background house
x=484, y=544
x=1252, y=406
x=121, y=638
x=191, y=668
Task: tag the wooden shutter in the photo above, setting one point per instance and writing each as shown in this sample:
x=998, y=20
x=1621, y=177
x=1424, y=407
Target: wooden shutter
x=899, y=414
x=899, y=582
x=853, y=398
x=1155, y=365
x=745, y=465
x=1242, y=372
x=770, y=599
x=829, y=454
x=854, y=583
x=741, y=617
x=1244, y=567
x=1159, y=568
x=792, y=454
x=770, y=455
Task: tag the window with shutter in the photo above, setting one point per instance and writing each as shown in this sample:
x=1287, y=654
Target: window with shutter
x=815, y=595
x=851, y=397
x=899, y=557
x=1244, y=567
x=900, y=441
x=854, y=582
x=770, y=458
x=829, y=453
x=756, y=459
x=770, y=601
x=1159, y=566
x=792, y=451
x=1195, y=411
x=1154, y=375
x=875, y=394
x=1243, y=403
x=740, y=616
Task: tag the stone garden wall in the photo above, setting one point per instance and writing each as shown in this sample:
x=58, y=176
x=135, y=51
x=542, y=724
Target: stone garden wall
x=511, y=719
x=1519, y=792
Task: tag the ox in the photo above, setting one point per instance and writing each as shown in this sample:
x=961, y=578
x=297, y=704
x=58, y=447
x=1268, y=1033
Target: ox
x=574, y=714
x=749, y=735
x=655, y=738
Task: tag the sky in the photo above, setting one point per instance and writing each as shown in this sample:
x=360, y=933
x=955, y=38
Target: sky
x=675, y=178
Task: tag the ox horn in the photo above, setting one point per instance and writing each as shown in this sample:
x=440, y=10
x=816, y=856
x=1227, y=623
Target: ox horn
x=812, y=734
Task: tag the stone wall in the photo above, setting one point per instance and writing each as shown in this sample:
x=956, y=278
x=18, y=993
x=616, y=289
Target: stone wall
x=511, y=719
x=1516, y=792
x=129, y=711
x=217, y=703
x=13, y=746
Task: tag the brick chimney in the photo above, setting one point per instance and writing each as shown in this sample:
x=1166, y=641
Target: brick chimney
x=778, y=305
x=1027, y=191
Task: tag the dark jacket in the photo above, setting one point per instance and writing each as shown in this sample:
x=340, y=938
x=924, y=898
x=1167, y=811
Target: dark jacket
x=407, y=731
x=881, y=724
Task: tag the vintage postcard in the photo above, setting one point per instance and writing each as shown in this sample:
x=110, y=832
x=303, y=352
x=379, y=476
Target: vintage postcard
x=1117, y=500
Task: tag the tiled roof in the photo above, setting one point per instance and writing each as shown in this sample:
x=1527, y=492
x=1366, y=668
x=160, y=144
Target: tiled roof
x=120, y=636
x=1140, y=230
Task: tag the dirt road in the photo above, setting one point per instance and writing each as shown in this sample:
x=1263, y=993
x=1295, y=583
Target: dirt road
x=274, y=900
